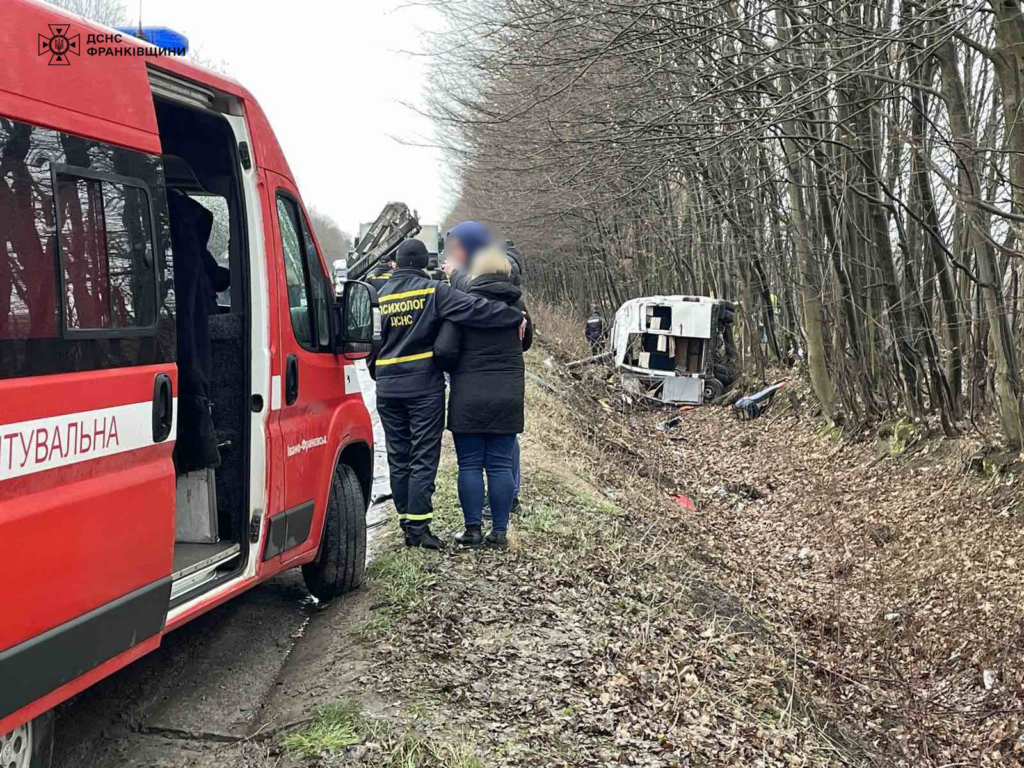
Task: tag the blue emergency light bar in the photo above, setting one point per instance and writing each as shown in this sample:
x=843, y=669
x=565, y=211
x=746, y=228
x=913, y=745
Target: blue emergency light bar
x=161, y=37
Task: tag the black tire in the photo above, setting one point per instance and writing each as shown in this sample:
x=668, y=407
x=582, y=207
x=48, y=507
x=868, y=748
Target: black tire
x=13, y=748
x=725, y=374
x=341, y=560
x=713, y=389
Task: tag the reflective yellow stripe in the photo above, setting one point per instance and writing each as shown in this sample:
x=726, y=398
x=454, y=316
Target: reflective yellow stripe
x=406, y=359
x=407, y=294
x=417, y=518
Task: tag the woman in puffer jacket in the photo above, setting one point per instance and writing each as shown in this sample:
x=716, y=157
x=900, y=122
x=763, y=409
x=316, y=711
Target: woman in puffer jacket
x=485, y=407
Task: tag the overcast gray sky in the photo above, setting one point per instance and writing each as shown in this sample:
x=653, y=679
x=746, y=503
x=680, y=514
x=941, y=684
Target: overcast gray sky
x=330, y=76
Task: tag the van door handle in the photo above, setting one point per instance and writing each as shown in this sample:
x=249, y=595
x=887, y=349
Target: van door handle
x=163, y=407
x=291, y=380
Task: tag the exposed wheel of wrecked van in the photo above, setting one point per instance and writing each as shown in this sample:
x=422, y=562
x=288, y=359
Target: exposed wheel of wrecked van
x=29, y=745
x=713, y=388
x=341, y=559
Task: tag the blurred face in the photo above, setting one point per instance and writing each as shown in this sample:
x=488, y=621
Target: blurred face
x=454, y=252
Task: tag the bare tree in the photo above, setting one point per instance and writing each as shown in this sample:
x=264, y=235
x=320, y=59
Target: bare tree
x=849, y=172
x=334, y=242
x=108, y=12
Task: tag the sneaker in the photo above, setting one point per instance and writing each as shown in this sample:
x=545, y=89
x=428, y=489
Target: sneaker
x=472, y=537
x=424, y=539
x=496, y=540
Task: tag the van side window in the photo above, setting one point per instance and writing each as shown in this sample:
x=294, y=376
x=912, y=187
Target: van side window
x=295, y=272
x=321, y=293
x=86, y=276
x=308, y=295
x=105, y=237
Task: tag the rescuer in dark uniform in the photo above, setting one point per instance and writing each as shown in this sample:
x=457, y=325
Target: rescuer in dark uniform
x=381, y=273
x=594, y=331
x=410, y=386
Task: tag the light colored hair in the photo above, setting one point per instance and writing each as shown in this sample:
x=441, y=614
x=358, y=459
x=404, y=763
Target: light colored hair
x=490, y=261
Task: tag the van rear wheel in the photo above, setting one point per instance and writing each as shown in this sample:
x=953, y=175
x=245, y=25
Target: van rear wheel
x=713, y=389
x=341, y=559
x=29, y=745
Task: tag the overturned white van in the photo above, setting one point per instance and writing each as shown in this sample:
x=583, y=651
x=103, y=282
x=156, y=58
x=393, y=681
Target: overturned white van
x=675, y=349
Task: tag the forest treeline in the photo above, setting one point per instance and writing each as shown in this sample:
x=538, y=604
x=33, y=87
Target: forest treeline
x=850, y=171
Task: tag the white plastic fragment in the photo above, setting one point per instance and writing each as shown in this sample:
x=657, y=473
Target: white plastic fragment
x=988, y=677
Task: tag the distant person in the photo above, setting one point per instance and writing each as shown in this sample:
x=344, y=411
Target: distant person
x=485, y=408
x=410, y=386
x=380, y=275
x=594, y=331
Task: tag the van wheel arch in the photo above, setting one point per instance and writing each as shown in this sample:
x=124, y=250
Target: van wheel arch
x=359, y=456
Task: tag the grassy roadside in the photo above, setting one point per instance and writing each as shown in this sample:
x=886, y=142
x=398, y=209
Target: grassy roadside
x=598, y=639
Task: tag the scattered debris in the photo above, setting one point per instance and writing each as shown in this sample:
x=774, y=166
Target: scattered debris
x=684, y=501
x=988, y=677
x=745, y=489
x=675, y=421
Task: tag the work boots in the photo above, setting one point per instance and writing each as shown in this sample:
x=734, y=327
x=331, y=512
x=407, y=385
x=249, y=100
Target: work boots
x=472, y=537
x=496, y=540
x=422, y=538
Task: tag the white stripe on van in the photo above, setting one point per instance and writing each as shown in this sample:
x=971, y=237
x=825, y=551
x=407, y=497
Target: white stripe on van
x=275, y=393
x=351, y=380
x=27, y=447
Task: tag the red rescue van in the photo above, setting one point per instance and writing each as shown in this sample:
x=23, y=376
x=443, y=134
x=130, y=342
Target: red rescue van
x=180, y=416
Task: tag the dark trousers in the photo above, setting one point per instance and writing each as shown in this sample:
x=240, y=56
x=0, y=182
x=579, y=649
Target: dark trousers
x=493, y=453
x=413, y=428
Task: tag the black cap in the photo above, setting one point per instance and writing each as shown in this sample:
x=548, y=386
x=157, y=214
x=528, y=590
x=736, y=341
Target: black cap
x=412, y=254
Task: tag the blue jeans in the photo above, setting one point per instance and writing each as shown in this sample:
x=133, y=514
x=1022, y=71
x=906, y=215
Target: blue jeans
x=517, y=476
x=493, y=453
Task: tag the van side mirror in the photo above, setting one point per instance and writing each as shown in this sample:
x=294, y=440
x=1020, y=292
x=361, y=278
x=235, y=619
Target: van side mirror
x=357, y=324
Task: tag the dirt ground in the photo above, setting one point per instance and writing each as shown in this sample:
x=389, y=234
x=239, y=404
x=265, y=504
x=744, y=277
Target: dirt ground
x=824, y=602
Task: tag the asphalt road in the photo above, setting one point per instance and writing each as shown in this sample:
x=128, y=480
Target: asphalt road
x=242, y=671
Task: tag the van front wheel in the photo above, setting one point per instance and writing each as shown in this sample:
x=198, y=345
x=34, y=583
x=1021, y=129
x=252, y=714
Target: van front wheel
x=341, y=560
x=29, y=745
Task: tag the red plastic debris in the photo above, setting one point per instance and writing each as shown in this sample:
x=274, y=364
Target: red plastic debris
x=684, y=501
